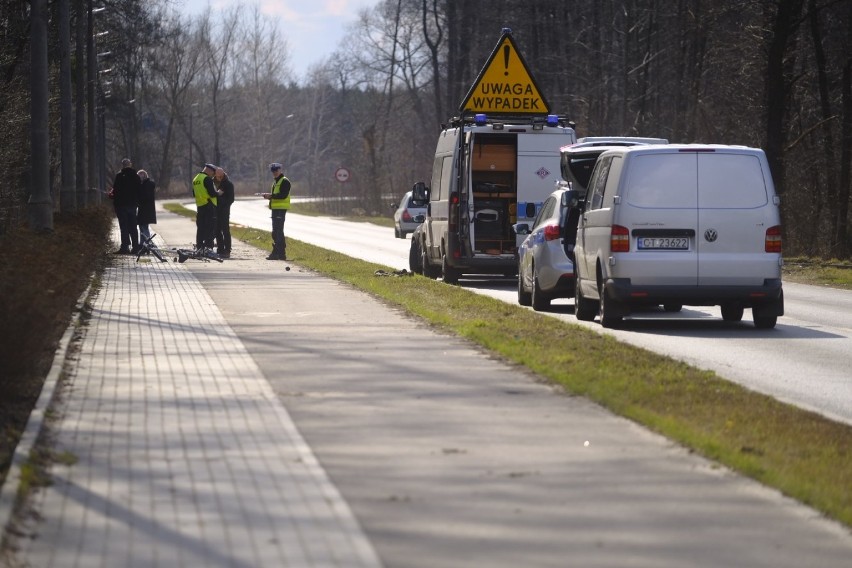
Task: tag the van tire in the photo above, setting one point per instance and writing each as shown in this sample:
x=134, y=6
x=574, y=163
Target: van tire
x=524, y=297
x=429, y=271
x=765, y=322
x=672, y=308
x=415, y=258
x=584, y=310
x=449, y=273
x=610, y=310
x=732, y=312
x=540, y=301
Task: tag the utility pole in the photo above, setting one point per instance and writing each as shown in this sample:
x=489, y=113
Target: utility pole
x=40, y=205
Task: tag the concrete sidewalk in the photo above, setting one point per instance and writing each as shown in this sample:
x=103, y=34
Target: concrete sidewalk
x=175, y=447
x=174, y=451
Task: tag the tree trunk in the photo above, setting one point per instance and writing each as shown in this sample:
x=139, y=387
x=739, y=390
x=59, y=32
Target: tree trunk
x=40, y=205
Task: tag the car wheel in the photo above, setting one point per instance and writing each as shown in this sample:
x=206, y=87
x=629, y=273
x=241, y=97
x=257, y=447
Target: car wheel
x=672, y=307
x=449, y=273
x=732, y=312
x=584, y=309
x=609, y=309
x=415, y=258
x=540, y=301
x=397, y=233
x=524, y=297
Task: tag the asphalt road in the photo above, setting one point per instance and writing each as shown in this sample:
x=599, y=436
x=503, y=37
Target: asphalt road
x=804, y=360
x=468, y=461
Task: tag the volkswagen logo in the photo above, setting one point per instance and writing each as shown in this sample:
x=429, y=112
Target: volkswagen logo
x=710, y=235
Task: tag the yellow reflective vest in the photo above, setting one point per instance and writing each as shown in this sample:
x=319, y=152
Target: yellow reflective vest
x=202, y=198
x=276, y=189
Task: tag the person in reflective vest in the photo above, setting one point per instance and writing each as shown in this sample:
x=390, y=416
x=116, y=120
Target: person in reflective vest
x=206, y=196
x=279, y=203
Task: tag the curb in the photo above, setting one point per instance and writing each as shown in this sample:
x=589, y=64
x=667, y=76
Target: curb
x=33, y=428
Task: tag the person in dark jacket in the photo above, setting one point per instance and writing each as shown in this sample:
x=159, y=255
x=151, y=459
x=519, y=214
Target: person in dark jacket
x=125, y=201
x=223, y=213
x=147, y=214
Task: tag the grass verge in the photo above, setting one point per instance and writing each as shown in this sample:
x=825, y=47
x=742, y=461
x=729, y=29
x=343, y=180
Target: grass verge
x=803, y=454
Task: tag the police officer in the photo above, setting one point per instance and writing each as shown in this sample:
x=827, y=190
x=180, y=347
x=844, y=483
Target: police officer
x=279, y=203
x=206, y=196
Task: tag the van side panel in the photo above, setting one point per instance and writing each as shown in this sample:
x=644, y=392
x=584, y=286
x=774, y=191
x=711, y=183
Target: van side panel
x=659, y=201
x=538, y=172
x=736, y=208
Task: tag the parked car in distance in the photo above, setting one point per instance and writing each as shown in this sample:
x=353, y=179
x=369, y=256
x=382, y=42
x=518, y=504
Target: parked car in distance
x=404, y=216
x=546, y=256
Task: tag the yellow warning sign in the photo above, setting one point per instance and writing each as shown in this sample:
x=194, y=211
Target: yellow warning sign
x=505, y=85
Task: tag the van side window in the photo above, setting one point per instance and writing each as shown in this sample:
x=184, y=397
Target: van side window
x=446, y=177
x=599, y=177
x=435, y=190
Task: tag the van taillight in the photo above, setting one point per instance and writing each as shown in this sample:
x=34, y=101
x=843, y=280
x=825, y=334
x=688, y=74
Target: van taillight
x=619, y=239
x=453, y=220
x=773, y=239
x=552, y=232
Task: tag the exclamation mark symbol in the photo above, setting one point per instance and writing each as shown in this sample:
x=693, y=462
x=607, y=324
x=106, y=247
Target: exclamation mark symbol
x=506, y=51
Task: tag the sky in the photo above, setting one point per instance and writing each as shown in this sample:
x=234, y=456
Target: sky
x=314, y=28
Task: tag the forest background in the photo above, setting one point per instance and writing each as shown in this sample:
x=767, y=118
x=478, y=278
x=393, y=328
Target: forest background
x=135, y=78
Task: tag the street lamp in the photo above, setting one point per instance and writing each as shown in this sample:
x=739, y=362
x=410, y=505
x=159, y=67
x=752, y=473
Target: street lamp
x=191, y=112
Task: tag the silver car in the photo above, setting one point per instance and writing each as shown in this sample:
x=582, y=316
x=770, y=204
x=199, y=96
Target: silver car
x=546, y=257
x=405, y=214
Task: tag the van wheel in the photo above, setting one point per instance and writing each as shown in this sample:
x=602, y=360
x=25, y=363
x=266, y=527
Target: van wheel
x=609, y=309
x=450, y=274
x=540, y=301
x=524, y=297
x=672, y=307
x=429, y=271
x=765, y=322
x=584, y=310
x=415, y=258
x=732, y=312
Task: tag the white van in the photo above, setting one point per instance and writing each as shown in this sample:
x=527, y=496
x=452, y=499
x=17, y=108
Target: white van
x=680, y=225
x=494, y=174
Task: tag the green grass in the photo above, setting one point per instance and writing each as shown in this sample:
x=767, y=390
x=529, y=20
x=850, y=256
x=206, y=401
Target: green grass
x=834, y=273
x=802, y=454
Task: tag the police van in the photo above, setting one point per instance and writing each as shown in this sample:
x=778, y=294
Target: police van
x=494, y=166
x=487, y=175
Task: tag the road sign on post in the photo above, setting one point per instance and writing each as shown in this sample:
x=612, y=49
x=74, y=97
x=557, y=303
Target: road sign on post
x=505, y=85
x=342, y=175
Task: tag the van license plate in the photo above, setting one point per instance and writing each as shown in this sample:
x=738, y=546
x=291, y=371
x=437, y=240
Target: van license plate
x=663, y=243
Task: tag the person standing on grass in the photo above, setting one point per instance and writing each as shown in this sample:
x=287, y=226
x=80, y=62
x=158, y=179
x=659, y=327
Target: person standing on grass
x=206, y=197
x=279, y=203
x=125, y=200
x=147, y=214
x=223, y=213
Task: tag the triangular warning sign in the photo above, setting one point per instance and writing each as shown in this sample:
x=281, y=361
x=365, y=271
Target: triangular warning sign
x=505, y=85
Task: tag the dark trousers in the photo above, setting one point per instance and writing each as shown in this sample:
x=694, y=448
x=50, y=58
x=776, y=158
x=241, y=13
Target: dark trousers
x=223, y=229
x=127, y=226
x=279, y=244
x=205, y=226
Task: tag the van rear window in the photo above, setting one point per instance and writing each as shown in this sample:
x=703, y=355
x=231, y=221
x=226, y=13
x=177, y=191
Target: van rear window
x=731, y=181
x=665, y=181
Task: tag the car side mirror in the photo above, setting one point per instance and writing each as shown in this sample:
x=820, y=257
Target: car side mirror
x=419, y=218
x=420, y=192
x=521, y=228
